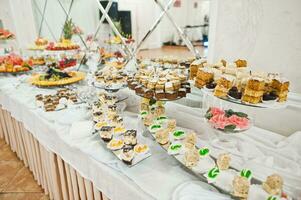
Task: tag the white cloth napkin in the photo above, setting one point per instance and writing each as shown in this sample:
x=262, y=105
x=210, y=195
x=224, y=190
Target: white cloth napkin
x=196, y=190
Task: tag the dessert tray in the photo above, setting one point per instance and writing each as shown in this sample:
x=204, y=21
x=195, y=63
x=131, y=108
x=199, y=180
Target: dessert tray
x=216, y=170
x=234, y=82
x=228, y=121
x=123, y=142
x=55, y=78
x=59, y=101
x=166, y=82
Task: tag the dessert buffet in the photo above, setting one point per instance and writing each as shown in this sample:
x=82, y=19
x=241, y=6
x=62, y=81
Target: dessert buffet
x=93, y=121
x=235, y=82
x=208, y=146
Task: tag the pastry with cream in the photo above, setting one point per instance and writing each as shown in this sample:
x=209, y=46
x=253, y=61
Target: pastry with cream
x=273, y=184
x=191, y=158
x=241, y=187
x=223, y=161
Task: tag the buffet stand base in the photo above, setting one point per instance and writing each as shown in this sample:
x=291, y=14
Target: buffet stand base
x=58, y=179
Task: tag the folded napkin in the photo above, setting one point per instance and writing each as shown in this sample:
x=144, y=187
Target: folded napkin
x=196, y=190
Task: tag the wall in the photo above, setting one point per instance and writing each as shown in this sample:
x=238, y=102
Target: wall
x=16, y=16
x=83, y=13
x=265, y=32
x=144, y=13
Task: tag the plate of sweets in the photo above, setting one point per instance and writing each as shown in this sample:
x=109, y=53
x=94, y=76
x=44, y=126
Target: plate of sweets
x=234, y=82
x=40, y=44
x=59, y=101
x=228, y=121
x=63, y=45
x=14, y=64
x=55, y=77
x=165, y=83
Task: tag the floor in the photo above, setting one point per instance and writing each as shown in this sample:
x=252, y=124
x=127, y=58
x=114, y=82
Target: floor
x=16, y=181
x=175, y=51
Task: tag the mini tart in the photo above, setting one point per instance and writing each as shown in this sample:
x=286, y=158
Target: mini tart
x=115, y=144
x=175, y=148
x=99, y=125
x=127, y=154
x=106, y=136
x=106, y=133
x=141, y=148
x=76, y=77
x=179, y=134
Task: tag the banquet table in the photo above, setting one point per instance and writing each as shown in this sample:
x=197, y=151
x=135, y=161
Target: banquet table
x=70, y=162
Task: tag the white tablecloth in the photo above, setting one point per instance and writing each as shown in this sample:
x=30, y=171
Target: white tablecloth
x=158, y=176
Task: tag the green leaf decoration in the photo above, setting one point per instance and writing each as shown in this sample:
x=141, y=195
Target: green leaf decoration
x=178, y=133
x=246, y=173
x=229, y=112
x=204, y=151
x=175, y=147
x=213, y=173
x=155, y=126
x=229, y=128
x=272, y=198
x=241, y=114
x=208, y=115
